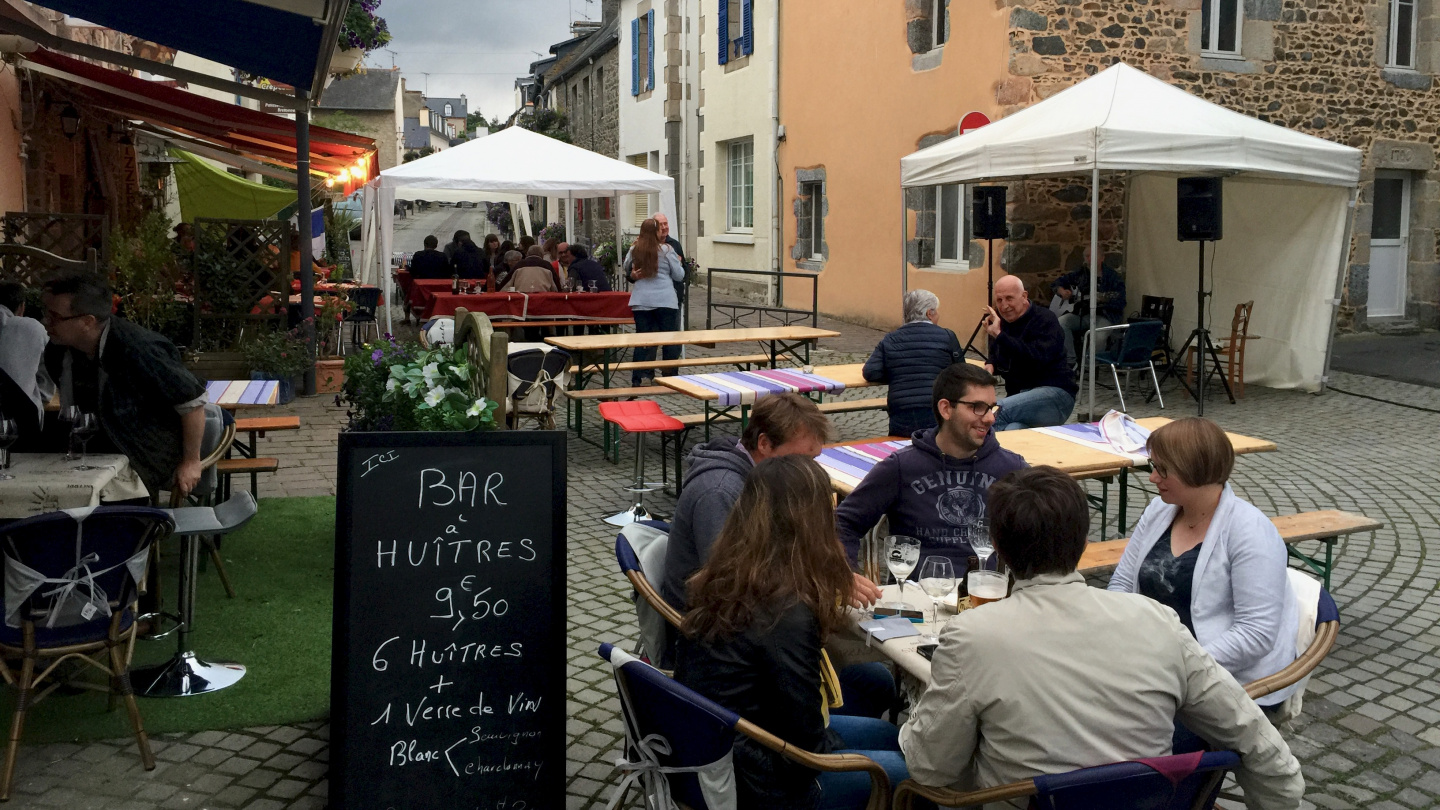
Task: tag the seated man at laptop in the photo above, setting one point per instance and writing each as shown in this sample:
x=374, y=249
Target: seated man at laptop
x=935, y=488
x=1060, y=676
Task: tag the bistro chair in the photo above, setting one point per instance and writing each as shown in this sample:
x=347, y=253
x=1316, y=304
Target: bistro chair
x=1230, y=350
x=1321, y=640
x=72, y=585
x=1177, y=782
x=537, y=377
x=1136, y=353
x=219, y=437
x=678, y=743
x=638, y=547
x=361, y=318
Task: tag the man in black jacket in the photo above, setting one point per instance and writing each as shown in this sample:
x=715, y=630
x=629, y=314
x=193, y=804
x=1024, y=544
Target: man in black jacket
x=1027, y=349
x=909, y=359
x=150, y=407
x=430, y=263
x=586, y=270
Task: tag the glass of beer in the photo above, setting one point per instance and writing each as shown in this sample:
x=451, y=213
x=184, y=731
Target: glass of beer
x=985, y=586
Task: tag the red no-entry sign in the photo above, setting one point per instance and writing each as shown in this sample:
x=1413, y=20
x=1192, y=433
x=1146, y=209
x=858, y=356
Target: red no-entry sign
x=973, y=121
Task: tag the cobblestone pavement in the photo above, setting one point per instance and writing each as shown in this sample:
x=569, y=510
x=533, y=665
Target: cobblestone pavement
x=1368, y=737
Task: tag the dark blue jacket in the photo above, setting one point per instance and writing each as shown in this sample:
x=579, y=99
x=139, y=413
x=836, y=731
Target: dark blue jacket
x=1111, y=303
x=909, y=359
x=928, y=495
x=1030, y=353
x=588, y=270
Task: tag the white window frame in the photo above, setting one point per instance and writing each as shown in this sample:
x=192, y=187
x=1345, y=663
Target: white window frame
x=1210, y=46
x=962, y=239
x=939, y=13
x=817, y=216
x=449, y=111
x=740, y=167
x=1392, y=39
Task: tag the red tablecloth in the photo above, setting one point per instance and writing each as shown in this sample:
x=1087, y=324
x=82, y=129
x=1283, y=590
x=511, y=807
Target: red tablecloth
x=422, y=292
x=540, y=306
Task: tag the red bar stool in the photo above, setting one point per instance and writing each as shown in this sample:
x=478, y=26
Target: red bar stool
x=640, y=417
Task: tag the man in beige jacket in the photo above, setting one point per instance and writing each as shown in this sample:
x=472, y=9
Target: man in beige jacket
x=1061, y=676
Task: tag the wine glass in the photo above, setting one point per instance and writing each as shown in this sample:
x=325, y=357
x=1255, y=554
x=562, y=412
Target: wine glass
x=937, y=578
x=901, y=555
x=69, y=414
x=9, y=434
x=82, y=429
x=980, y=540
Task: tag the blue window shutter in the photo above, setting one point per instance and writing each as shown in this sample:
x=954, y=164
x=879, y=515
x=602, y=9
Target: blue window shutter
x=635, y=57
x=747, y=36
x=650, y=41
x=723, y=26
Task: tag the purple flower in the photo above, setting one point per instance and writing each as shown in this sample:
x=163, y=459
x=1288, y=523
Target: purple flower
x=376, y=355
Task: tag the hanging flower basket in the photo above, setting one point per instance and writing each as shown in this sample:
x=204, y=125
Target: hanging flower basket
x=345, y=60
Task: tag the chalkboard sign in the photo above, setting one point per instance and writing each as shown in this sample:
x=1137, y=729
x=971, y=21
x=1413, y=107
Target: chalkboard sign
x=448, y=679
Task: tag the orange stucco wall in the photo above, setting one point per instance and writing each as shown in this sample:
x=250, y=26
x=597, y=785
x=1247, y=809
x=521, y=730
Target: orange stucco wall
x=12, y=173
x=851, y=102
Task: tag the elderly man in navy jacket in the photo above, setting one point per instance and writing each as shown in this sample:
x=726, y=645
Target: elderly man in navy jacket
x=909, y=359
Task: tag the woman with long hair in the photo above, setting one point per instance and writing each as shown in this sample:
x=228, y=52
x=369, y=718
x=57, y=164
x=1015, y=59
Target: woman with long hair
x=492, y=249
x=761, y=608
x=654, y=269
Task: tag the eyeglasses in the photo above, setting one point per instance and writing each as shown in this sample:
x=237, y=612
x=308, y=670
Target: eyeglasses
x=978, y=407
x=1160, y=469
x=51, y=316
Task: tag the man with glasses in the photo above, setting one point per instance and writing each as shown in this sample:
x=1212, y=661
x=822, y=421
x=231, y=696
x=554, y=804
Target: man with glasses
x=150, y=407
x=935, y=489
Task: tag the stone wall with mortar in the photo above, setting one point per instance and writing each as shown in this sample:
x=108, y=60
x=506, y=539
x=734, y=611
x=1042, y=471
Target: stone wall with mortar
x=1315, y=66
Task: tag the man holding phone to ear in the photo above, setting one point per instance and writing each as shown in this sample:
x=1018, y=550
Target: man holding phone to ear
x=1027, y=348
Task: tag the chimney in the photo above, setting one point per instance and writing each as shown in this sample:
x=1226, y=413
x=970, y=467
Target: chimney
x=609, y=10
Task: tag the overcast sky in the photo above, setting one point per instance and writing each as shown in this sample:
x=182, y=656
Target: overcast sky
x=475, y=47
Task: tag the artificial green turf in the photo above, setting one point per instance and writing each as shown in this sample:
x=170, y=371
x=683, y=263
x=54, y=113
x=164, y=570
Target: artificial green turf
x=278, y=626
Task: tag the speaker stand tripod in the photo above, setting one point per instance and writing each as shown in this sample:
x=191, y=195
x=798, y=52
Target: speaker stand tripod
x=989, y=297
x=1199, y=339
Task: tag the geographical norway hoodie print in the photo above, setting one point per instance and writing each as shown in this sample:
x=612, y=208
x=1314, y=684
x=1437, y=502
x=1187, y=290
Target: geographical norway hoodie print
x=928, y=495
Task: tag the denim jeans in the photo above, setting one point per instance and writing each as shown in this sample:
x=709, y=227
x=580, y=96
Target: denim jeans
x=873, y=738
x=868, y=689
x=1039, y=407
x=905, y=421
x=662, y=319
x=1076, y=326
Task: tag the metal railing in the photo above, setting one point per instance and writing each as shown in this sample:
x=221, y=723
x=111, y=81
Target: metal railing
x=731, y=314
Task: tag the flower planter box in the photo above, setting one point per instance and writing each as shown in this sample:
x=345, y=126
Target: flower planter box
x=345, y=60
x=329, y=376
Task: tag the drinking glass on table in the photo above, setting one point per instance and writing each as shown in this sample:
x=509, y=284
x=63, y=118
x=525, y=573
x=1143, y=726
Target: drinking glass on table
x=986, y=586
x=937, y=579
x=9, y=434
x=902, y=554
x=980, y=540
x=68, y=415
x=594, y=285
x=82, y=429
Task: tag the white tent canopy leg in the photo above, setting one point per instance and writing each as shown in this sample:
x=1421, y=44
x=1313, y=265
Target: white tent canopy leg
x=1097, y=257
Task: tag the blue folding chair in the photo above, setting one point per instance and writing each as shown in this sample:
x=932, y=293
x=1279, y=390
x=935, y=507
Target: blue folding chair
x=1136, y=353
x=1178, y=782
x=678, y=742
x=652, y=612
x=72, y=582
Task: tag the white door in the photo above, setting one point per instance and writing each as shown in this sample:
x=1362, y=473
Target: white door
x=1389, y=239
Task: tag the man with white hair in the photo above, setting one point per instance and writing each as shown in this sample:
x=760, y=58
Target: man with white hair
x=909, y=359
x=1027, y=349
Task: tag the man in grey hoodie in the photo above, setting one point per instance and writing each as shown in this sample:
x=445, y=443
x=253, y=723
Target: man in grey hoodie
x=780, y=425
x=935, y=489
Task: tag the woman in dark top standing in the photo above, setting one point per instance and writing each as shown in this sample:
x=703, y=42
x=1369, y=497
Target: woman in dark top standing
x=761, y=609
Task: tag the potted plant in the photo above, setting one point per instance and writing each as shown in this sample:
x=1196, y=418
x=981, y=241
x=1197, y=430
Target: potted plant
x=150, y=279
x=277, y=356
x=394, y=386
x=330, y=336
x=361, y=31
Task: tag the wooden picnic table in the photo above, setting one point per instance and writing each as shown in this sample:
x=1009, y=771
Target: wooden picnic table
x=718, y=408
x=782, y=339
x=228, y=394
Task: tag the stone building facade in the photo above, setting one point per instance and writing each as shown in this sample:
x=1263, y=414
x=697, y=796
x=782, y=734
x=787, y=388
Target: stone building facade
x=1336, y=69
x=586, y=87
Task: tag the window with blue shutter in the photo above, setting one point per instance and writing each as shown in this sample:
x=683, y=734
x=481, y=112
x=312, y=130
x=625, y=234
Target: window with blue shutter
x=650, y=46
x=723, y=27
x=635, y=57
x=747, y=36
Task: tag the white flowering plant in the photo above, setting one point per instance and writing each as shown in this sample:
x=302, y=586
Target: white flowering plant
x=390, y=386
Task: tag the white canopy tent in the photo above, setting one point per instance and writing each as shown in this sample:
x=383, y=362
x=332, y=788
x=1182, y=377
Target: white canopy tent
x=1287, y=200
x=504, y=167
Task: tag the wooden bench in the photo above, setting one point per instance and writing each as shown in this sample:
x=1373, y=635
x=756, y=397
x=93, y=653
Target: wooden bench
x=603, y=394
x=258, y=426
x=1327, y=526
x=683, y=362
x=852, y=405
x=227, y=467
x=554, y=324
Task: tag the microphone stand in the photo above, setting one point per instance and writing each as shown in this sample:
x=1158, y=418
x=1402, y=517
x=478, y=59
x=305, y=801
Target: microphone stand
x=970, y=345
